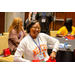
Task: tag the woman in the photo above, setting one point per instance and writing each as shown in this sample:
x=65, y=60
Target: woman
x=16, y=34
x=34, y=45
x=67, y=30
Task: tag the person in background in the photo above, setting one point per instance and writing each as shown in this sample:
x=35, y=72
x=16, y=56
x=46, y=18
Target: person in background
x=32, y=16
x=16, y=34
x=45, y=19
x=34, y=45
x=67, y=30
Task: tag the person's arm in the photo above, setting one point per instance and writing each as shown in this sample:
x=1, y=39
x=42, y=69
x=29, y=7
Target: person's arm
x=74, y=35
x=61, y=32
x=29, y=16
x=52, y=41
x=51, y=20
x=24, y=33
x=14, y=37
x=73, y=31
x=55, y=48
x=51, y=24
x=59, y=35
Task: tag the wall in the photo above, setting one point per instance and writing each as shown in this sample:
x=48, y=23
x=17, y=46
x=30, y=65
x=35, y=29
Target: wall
x=26, y=15
x=60, y=18
x=9, y=16
x=22, y=15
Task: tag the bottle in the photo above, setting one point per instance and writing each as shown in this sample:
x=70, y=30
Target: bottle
x=66, y=43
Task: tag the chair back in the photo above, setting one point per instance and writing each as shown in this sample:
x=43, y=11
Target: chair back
x=3, y=43
x=53, y=33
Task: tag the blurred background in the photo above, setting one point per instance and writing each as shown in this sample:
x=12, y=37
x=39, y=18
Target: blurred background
x=59, y=18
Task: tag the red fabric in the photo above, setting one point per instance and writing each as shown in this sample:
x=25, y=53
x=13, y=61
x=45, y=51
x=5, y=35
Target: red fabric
x=35, y=12
x=50, y=60
x=6, y=52
x=70, y=37
x=35, y=60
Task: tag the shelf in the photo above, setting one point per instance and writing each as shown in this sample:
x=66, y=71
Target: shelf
x=58, y=20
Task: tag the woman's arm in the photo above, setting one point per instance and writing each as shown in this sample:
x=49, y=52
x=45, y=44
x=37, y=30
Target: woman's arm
x=13, y=36
x=55, y=42
x=29, y=16
x=62, y=32
x=59, y=35
x=24, y=33
x=55, y=48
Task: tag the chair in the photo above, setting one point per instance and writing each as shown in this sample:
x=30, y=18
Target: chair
x=7, y=59
x=4, y=45
x=1, y=34
x=53, y=33
x=6, y=33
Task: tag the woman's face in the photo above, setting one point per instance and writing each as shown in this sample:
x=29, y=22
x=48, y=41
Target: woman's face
x=35, y=30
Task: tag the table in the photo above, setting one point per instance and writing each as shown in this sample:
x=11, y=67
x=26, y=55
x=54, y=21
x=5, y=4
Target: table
x=65, y=55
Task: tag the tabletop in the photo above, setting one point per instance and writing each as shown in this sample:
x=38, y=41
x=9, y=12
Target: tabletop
x=62, y=54
x=71, y=44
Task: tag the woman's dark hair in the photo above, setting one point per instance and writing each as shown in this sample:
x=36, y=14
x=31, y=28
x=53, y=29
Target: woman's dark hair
x=68, y=24
x=29, y=25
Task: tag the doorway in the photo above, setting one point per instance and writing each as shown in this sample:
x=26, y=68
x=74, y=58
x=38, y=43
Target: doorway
x=26, y=15
x=2, y=21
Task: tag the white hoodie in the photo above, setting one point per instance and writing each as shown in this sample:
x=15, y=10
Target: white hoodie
x=30, y=49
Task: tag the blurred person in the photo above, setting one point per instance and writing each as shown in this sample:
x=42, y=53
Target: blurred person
x=34, y=45
x=32, y=16
x=45, y=19
x=16, y=34
x=67, y=29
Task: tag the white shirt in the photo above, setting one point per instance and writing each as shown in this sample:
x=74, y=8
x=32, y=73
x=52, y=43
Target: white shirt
x=30, y=49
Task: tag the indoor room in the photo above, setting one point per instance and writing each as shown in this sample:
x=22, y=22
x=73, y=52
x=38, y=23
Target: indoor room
x=61, y=48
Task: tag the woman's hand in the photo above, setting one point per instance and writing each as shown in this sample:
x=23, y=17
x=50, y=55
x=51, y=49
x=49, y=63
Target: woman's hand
x=53, y=55
x=73, y=35
x=69, y=35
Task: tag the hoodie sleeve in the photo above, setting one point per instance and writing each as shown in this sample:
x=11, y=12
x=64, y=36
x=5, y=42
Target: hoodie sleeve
x=52, y=41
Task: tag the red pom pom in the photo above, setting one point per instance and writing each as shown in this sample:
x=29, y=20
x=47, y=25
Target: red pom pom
x=50, y=60
x=36, y=60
